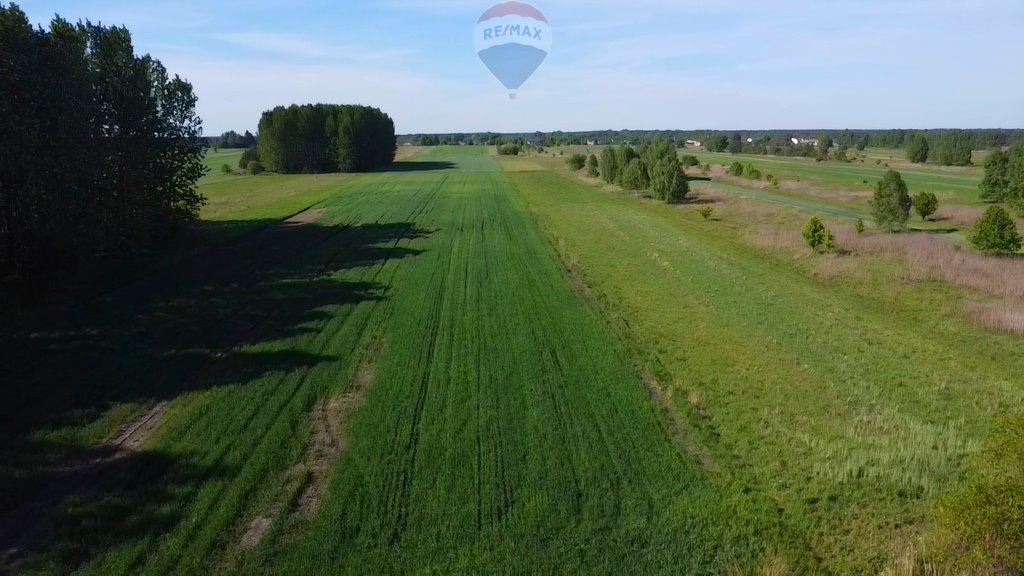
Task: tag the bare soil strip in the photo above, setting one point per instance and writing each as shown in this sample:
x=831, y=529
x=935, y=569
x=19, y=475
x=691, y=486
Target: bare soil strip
x=328, y=439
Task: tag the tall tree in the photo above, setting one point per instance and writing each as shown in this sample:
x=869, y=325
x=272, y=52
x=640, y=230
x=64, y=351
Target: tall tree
x=123, y=134
x=609, y=165
x=918, y=149
x=891, y=203
x=954, y=148
x=736, y=144
x=995, y=186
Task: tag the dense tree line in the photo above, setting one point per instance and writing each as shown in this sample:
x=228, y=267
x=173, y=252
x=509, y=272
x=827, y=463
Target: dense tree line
x=99, y=148
x=325, y=138
x=655, y=168
x=979, y=139
x=233, y=139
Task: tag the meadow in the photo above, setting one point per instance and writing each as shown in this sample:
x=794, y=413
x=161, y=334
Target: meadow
x=473, y=363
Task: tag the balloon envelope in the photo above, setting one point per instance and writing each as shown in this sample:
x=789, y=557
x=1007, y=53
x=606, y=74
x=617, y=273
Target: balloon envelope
x=513, y=40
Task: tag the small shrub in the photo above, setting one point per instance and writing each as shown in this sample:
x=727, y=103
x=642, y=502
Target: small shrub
x=735, y=169
x=254, y=168
x=878, y=162
x=705, y=168
x=689, y=161
x=925, y=203
x=996, y=232
x=818, y=237
x=750, y=172
x=706, y=212
x=508, y=150
x=576, y=162
x=859, y=225
x=225, y=169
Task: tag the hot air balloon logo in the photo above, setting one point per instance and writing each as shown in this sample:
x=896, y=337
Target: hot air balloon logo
x=512, y=39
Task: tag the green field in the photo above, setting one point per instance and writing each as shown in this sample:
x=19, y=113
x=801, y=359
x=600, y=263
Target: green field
x=480, y=364
x=955, y=185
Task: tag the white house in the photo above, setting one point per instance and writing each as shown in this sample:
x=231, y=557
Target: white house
x=694, y=143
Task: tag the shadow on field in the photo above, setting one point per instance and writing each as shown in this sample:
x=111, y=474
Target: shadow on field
x=130, y=497
x=420, y=166
x=189, y=326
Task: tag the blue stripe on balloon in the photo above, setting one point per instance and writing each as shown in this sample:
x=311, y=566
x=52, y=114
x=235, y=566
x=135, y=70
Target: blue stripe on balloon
x=513, y=63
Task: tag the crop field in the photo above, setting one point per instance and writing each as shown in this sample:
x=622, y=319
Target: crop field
x=498, y=421
x=472, y=363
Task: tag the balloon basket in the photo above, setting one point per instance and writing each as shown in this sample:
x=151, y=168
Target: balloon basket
x=511, y=95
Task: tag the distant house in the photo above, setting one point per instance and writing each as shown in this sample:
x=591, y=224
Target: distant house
x=750, y=140
x=591, y=142
x=799, y=141
x=694, y=143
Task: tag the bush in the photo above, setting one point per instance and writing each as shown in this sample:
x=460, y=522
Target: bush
x=593, y=167
x=773, y=181
x=859, y=225
x=891, y=204
x=705, y=168
x=508, y=150
x=634, y=176
x=925, y=203
x=995, y=231
x=750, y=172
x=689, y=161
x=986, y=514
x=576, y=162
x=254, y=168
x=706, y=212
x=735, y=169
x=225, y=169
x=818, y=236
x=248, y=156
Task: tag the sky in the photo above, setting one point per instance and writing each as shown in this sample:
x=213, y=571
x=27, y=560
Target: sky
x=625, y=64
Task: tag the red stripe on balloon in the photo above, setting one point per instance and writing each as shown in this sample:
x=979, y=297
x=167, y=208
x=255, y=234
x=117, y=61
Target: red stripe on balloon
x=512, y=9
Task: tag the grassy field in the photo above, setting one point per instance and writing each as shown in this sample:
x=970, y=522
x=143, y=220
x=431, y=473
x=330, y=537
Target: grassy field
x=813, y=391
x=214, y=161
x=474, y=364
x=951, y=185
x=502, y=424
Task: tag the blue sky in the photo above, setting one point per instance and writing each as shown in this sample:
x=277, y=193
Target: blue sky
x=641, y=64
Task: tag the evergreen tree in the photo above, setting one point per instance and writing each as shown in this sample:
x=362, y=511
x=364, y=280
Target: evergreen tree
x=918, y=149
x=996, y=232
x=891, y=204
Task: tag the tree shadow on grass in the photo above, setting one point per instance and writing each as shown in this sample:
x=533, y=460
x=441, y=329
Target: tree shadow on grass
x=429, y=166
x=193, y=325
x=128, y=497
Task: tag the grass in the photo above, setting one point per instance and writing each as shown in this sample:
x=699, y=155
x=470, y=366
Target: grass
x=215, y=160
x=952, y=185
x=558, y=378
x=504, y=427
x=849, y=401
